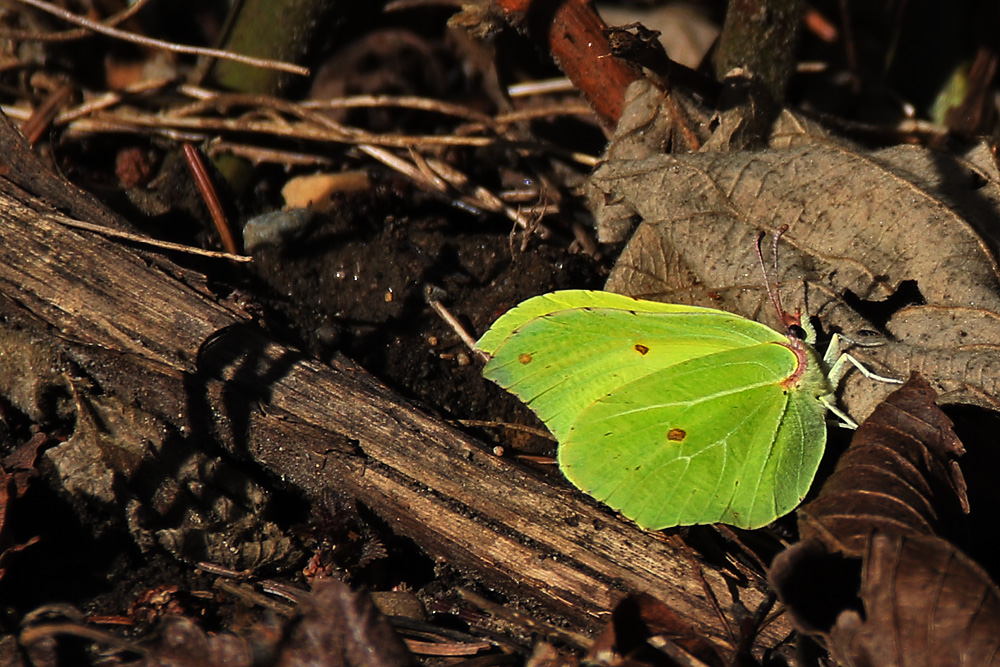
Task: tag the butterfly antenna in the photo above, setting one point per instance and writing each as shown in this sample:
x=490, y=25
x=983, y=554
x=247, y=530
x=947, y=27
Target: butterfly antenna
x=771, y=277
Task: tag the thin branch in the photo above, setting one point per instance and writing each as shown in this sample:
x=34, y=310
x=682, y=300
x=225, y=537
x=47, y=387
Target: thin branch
x=145, y=240
x=70, y=35
x=160, y=44
x=209, y=196
x=401, y=101
x=137, y=122
x=109, y=99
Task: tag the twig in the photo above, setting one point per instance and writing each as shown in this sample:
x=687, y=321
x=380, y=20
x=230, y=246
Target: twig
x=39, y=633
x=573, y=33
x=249, y=595
x=452, y=321
x=42, y=118
x=482, y=423
x=401, y=101
x=208, y=194
x=75, y=33
x=160, y=44
x=518, y=619
x=543, y=87
x=562, y=109
x=261, y=155
x=109, y=99
x=145, y=240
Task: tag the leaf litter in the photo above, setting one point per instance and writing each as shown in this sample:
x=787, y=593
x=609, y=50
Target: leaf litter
x=862, y=225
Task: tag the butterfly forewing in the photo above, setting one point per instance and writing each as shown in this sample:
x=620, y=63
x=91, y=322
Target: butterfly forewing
x=561, y=362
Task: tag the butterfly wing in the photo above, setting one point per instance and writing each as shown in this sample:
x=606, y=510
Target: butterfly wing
x=672, y=414
x=713, y=439
x=561, y=352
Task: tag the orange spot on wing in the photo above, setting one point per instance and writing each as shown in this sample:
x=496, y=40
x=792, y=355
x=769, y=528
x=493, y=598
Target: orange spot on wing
x=641, y=349
x=676, y=434
x=524, y=358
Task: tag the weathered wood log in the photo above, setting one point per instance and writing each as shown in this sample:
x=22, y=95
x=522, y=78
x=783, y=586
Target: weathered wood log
x=202, y=364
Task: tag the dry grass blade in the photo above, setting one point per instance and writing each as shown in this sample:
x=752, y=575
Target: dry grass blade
x=105, y=29
x=147, y=241
x=76, y=33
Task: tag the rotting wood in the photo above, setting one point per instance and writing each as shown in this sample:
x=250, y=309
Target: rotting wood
x=331, y=426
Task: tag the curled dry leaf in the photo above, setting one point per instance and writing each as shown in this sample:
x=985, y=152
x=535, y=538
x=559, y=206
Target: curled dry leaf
x=333, y=626
x=16, y=471
x=339, y=626
x=860, y=226
x=900, y=475
x=181, y=643
x=896, y=488
x=925, y=604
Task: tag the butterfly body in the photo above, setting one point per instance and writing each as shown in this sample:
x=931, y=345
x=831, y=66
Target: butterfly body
x=671, y=414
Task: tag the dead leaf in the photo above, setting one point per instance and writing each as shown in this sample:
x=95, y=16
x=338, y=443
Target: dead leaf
x=341, y=627
x=872, y=577
x=685, y=31
x=860, y=225
x=13, y=485
x=315, y=191
x=181, y=643
x=925, y=604
x=899, y=475
x=332, y=626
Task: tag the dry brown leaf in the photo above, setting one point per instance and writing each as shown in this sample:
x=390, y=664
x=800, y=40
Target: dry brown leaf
x=685, y=31
x=316, y=191
x=859, y=224
x=926, y=605
x=900, y=475
x=342, y=627
x=871, y=544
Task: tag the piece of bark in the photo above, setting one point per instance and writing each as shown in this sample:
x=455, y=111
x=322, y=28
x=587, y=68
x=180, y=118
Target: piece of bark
x=201, y=364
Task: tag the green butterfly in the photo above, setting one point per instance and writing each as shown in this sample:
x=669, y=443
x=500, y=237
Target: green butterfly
x=672, y=415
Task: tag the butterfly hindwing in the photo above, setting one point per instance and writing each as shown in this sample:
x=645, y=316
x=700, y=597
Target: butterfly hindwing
x=697, y=442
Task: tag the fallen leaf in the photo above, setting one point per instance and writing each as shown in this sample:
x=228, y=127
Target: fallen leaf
x=860, y=227
x=925, y=604
x=872, y=576
x=315, y=191
x=900, y=475
x=341, y=627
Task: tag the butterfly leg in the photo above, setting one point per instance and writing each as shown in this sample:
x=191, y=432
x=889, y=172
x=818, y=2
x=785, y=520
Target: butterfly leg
x=845, y=419
x=836, y=360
